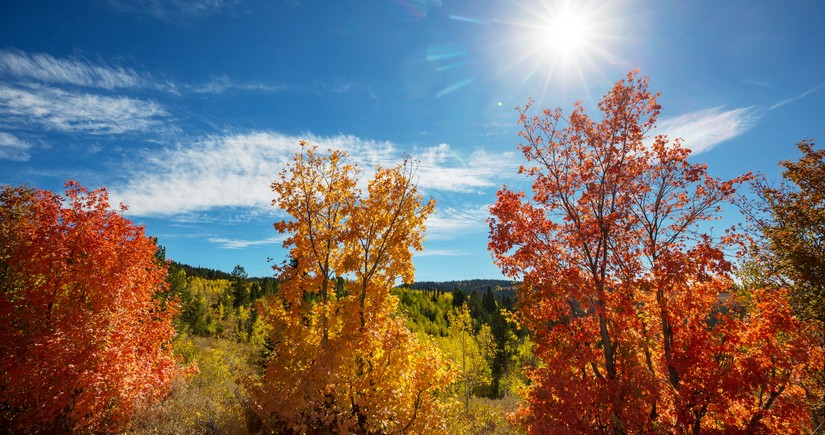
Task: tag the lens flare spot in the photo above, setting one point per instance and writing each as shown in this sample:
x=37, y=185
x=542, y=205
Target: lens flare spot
x=438, y=52
x=455, y=65
x=469, y=20
x=452, y=88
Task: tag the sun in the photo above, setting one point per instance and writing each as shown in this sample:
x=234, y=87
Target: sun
x=567, y=33
x=565, y=36
x=561, y=44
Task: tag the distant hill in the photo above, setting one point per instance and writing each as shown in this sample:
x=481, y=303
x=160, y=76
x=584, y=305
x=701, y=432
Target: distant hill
x=467, y=286
x=202, y=272
x=207, y=273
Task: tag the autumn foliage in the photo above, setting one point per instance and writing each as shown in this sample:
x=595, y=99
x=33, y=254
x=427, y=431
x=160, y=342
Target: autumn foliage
x=342, y=360
x=791, y=218
x=627, y=291
x=83, y=339
x=795, y=229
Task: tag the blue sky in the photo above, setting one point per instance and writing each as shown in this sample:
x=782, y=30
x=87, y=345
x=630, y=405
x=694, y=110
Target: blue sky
x=186, y=110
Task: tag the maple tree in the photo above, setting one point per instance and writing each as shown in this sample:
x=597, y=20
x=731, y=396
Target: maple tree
x=342, y=360
x=84, y=337
x=623, y=284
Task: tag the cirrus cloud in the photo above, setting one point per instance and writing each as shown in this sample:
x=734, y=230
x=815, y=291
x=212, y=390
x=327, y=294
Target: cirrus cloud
x=236, y=171
x=704, y=129
x=46, y=68
x=13, y=148
x=66, y=111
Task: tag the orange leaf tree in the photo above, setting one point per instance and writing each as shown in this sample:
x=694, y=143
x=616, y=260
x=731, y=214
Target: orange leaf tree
x=342, y=359
x=83, y=337
x=622, y=288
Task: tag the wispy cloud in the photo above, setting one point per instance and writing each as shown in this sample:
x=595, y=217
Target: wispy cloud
x=442, y=253
x=229, y=171
x=72, y=71
x=12, y=148
x=704, y=129
x=450, y=223
x=442, y=168
x=25, y=68
x=65, y=111
x=802, y=95
x=168, y=10
x=241, y=244
x=236, y=171
x=221, y=84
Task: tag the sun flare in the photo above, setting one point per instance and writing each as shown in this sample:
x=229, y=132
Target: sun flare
x=563, y=43
x=567, y=33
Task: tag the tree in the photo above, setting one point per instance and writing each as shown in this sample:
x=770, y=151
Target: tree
x=793, y=226
x=622, y=284
x=84, y=337
x=240, y=287
x=795, y=230
x=458, y=297
x=506, y=345
x=191, y=308
x=342, y=359
x=471, y=351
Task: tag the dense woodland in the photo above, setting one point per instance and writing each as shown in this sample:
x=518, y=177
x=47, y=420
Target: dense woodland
x=625, y=313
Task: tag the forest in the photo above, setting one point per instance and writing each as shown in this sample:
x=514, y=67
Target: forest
x=623, y=312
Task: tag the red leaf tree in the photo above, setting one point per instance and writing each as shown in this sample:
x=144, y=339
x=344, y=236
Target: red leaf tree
x=83, y=338
x=623, y=286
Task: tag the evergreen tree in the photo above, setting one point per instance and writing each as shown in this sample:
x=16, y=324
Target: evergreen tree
x=240, y=287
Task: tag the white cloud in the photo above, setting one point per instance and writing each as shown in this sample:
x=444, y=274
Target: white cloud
x=237, y=171
x=802, y=95
x=45, y=68
x=12, y=148
x=26, y=68
x=221, y=84
x=241, y=244
x=449, y=223
x=704, y=129
x=441, y=253
x=443, y=169
x=231, y=171
x=56, y=109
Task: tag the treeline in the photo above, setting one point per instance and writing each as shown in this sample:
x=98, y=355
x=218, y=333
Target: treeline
x=467, y=285
x=201, y=272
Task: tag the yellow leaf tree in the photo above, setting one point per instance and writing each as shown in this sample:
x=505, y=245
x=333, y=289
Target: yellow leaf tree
x=342, y=360
x=471, y=352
